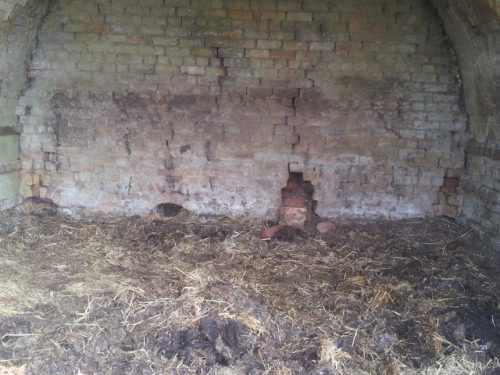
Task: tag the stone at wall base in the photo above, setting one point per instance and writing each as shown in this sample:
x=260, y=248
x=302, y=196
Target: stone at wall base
x=269, y=232
x=326, y=227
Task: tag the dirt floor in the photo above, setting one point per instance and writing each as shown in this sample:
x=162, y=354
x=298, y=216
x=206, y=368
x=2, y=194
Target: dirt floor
x=193, y=295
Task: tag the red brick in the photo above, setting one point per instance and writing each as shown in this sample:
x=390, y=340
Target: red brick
x=268, y=233
x=293, y=187
x=294, y=202
x=281, y=54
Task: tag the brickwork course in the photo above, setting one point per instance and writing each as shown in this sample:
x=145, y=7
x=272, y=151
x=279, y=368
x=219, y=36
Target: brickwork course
x=382, y=105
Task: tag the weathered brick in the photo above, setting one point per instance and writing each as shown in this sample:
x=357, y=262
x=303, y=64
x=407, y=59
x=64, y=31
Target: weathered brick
x=275, y=16
x=322, y=46
x=286, y=92
x=293, y=217
x=194, y=70
x=257, y=53
x=217, y=42
x=269, y=44
x=288, y=5
x=295, y=46
x=299, y=16
x=240, y=15
x=308, y=55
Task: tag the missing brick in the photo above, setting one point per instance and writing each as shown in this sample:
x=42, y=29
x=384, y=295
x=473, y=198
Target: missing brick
x=208, y=151
x=167, y=209
x=298, y=205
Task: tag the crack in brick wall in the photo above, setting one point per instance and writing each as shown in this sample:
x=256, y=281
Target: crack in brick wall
x=210, y=104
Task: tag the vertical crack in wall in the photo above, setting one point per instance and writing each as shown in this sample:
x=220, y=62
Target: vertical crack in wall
x=295, y=134
x=129, y=186
x=126, y=140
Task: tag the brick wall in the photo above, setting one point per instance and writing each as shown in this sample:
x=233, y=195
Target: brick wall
x=210, y=104
x=475, y=32
x=17, y=34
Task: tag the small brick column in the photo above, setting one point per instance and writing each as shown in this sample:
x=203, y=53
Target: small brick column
x=297, y=206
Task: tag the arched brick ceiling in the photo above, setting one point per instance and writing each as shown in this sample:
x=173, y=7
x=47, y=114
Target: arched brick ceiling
x=474, y=30
x=477, y=12
x=7, y=7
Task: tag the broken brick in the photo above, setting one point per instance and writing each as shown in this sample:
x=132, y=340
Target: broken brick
x=293, y=217
x=269, y=232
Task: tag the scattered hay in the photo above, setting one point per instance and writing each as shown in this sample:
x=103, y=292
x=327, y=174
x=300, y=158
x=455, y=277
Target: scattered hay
x=12, y=370
x=181, y=295
x=330, y=354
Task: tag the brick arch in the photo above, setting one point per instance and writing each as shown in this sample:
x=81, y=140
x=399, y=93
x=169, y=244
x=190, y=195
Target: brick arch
x=18, y=27
x=474, y=30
